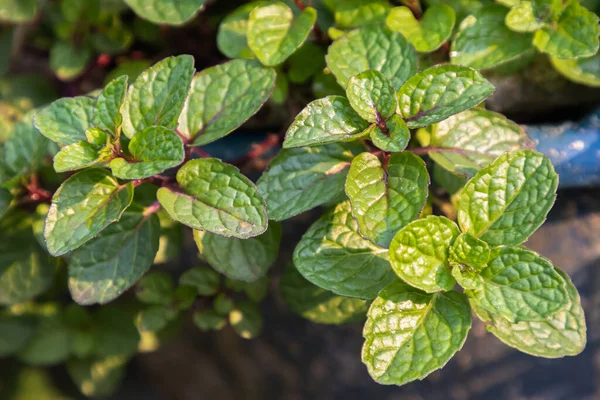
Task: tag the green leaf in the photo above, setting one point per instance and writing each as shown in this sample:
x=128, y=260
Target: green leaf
x=410, y=334
x=354, y=13
x=223, y=304
x=585, y=71
x=25, y=148
x=97, y=136
x=520, y=285
x=303, y=178
x=204, y=280
x=18, y=11
x=107, y=113
x=209, y=320
x=240, y=259
x=508, y=200
x=483, y=40
x=97, y=378
x=50, y=345
x=281, y=90
x=562, y=334
x=372, y=96
x=246, y=320
x=16, y=332
x=66, y=120
x=468, y=250
x=372, y=47
x=574, y=35
x=427, y=34
x=157, y=96
x=106, y=266
x=274, y=34
x=439, y=92
x=155, y=288
x=307, y=62
x=319, y=305
x=154, y=150
x=386, y=198
x=395, y=136
x=223, y=97
x=82, y=207
x=155, y=318
x=334, y=256
x=69, y=61
x=217, y=198
x=467, y=277
x=169, y=12
x=419, y=253
x=522, y=18
x=232, y=38
x=115, y=333
x=78, y=156
x=326, y=120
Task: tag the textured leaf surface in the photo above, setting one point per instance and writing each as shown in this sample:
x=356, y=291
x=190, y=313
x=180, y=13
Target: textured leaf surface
x=319, y=305
x=354, y=13
x=427, y=34
x=107, y=113
x=395, y=136
x=82, y=207
x=372, y=96
x=410, y=334
x=106, y=266
x=223, y=97
x=386, y=199
x=300, y=179
x=520, y=285
x=372, y=47
x=232, y=38
x=467, y=277
x=157, y=96
x=217, y=198
x=274, y=33
x=326, y=120
x=16, y=332
x=66, y=120
x=170, y=12
x=508, y=200
x=419, y=253
x=439, y=92
x=581, y=70
x=240, y=259
x=76, y=156
x=154, y=150
x=334, y=256
x=468, y=250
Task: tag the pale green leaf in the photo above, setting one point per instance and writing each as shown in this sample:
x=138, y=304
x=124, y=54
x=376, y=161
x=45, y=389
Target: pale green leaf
x=77, y=156
x=69, y=61
x=467, y=277
x=232, y=38
x=18, y=11
x=468, y=250
x=372, y=96
x=585, y=71
x=428, y=33
x=393, y=138
x=97, y=136
x=155, y=318
x=246, y=320
x=66, y=120
x=204, y=280
x=170, y=12
x=97, y=378
x=107, y=113
x=354, y=13
x=522, y=18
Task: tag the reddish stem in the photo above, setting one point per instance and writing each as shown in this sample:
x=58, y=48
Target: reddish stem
x=258, y=150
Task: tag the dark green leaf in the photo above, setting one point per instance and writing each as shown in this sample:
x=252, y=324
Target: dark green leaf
x=372, y=96
x=66, y=120
x=204, y=280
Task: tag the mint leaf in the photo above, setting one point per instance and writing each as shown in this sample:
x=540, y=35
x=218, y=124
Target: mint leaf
x=82, y=207
x=18, y=11
x=427, y=34
x=333, y=256
x=157, y=96
x=50, y=345
x=439, y=92
x=468, y=250
x=209, y=320
x=354, y=13
x=386, y=198
x=107, y=113
x=522, y=18
x=307, y=62
x=115, y=333
x=509, y=199
x=223, y=97
x=25, y=148
x=97, y=378
x=246, y=320
x=585, y=71
x=410, y=334
x=419, y=253
x=300, y=179
x=319, y=305
x=77, y=156
x=372, y=47
x=223, y=304
x=326, y=120
x=217, y=198
x=395, y=136
x=274, y=33
x=467, y=277
x=204, y=280
x=232, y=38
x=170, y=12
x=154, y=149
x=66, y=120
x=240, y=259
x=97, y=136
x=155, y=288
x=16, y=332
x=483, y=40
x=372, y=96
x=106, y=266
x=520, y=285
x=574, y=35
x=69, y=61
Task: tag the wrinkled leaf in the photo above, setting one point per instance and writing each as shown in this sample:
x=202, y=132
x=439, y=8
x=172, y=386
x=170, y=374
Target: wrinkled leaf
x=77, y=156
x=522, y=18
x=107, y=113
x=66, y=120
x=372, y=96
x=468, y=250
x=394, y=137
x=354, y=13
x=585, y=71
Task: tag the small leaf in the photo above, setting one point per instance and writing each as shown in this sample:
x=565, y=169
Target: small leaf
x=520, y=285
x=372, y=47
x=468, y=250
x=354, y=13
x=82, y=207
x=333, y=256
x=326, y=120
x=467, y=277
x=223, y=304
x=223, y=97
x=18, y=11
x=170, y=12
x=155, y=288
x=97, y=378
x=307, y=62
x=240, y=259
x=522, y=18
x=209, y=320
x=157, y=96
x=16, y=332
x=154, y=150
x=419, y=253
x=394, y=138
x=508, y=200
x=50, y=345
x=246, y=320
x=303, y=178
x=372, y=96
x=115, y=333
x=217, y=198
x=66, y=120
x=274, y=34
x=232, y=38
x=204, y=280
x=574, y=35
x=427, y=34
x=386, y=198
x=439, y=92
x=319, y=305
x=107, y=114
x=77, y=156
x=585, y=71
x=25, y=148
x=96, y=136
x=155, y=318
x=69, y=61
x=410, y=334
